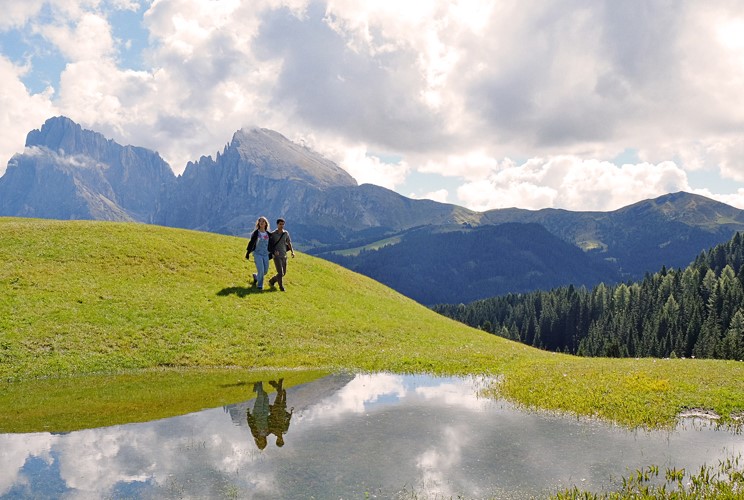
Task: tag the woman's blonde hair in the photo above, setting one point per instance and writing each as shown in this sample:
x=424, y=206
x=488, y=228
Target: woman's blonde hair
x=258, y=223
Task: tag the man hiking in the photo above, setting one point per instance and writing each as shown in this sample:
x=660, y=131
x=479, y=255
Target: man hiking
x=279, y=244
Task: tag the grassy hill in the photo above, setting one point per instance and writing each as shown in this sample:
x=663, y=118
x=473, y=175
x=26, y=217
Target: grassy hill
x=80, y=297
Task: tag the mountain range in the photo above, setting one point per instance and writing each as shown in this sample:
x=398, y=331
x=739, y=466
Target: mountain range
x=66, y=172
x=433, y=252
x=451, y=265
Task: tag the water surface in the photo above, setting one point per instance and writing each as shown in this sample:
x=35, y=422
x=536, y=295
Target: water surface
x=350, y=436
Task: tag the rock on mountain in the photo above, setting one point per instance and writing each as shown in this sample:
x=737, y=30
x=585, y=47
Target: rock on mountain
x=261, y=172
x=66, y=172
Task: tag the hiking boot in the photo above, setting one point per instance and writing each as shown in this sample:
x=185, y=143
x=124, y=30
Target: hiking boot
x=281, y=288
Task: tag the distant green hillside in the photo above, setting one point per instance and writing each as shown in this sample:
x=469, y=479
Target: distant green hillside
x=666, y=231
x=80, y=297
x=435, y=265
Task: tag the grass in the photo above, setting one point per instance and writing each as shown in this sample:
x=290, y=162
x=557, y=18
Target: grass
x=84, y=402
x=84, y=298
x=723, y=482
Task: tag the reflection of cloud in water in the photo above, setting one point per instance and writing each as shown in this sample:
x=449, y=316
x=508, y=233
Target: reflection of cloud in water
x=92, y=463
x=455, y=394
x=355, y=396
x=441, y=462
x=353, y=434
x=364, y=391
x=15, y=449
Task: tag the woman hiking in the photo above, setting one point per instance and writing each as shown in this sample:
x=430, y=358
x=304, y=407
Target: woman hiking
x=259, y=246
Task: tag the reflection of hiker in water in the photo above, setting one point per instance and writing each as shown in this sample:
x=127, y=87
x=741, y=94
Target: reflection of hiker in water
x=269, y=419
x=278, y=415
x=259, y=421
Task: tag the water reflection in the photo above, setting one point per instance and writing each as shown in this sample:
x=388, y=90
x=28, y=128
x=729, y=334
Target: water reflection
x=267, y=419
x=351, y=436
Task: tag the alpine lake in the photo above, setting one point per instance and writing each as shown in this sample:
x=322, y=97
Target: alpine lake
x=344, y=436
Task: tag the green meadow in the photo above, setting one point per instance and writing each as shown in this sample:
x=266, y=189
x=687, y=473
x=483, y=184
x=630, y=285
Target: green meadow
x=104, y=323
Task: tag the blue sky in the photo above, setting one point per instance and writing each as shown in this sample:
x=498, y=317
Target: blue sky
x=483, y=103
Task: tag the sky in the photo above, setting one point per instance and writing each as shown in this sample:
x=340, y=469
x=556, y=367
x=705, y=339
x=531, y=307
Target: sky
x=572, y=104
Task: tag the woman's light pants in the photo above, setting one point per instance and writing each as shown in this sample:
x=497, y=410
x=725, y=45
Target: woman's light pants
x=262, y=267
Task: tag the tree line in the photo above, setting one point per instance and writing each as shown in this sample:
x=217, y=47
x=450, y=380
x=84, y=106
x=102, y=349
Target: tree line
x=693, y=312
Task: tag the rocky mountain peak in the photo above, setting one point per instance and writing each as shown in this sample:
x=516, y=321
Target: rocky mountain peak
x=60, y=134
x=69, y=172
x=274, y=156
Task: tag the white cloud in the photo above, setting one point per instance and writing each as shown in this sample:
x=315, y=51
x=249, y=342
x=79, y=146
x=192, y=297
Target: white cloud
x=484, y=195
x=572, y=183
x=89, y=39
x=453, y=87
x=98, y=95
x=471, y=166
x=205, y=82
x=18, y=13
x=203, y=85
x=724, y=154
x=364, y=390
x=21, y=111
x=440, y=195
x=367, y=168
x=133, y=5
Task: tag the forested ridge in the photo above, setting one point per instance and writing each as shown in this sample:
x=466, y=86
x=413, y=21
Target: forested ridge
x=434, y=266
x=693, y=312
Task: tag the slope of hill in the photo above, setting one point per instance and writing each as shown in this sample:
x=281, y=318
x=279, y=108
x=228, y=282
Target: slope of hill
x=99, y=297
x=86, y=297
x=433, y=265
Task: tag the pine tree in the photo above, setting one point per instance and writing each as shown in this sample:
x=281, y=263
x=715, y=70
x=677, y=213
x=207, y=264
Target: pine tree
x=733, y=341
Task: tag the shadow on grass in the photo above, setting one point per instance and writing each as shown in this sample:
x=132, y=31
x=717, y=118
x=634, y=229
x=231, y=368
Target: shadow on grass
x=242, y=291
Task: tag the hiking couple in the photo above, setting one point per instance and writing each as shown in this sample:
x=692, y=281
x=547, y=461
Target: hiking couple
x=266, y=245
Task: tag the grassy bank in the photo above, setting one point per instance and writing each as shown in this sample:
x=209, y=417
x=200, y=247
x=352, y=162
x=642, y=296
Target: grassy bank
x=82, y=298
x=89, y=401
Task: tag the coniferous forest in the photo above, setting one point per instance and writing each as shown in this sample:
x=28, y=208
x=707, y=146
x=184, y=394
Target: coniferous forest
x=693, y=312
